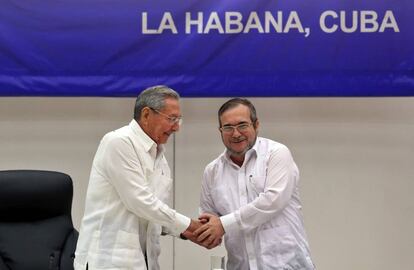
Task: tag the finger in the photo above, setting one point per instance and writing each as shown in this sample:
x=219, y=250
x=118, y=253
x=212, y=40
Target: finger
x=212, y=245
x=205, y=216
x=208, y=241
x=203, y=236
x=201, y=229
x=216, y=242
x=203, y=220
x=204, y=245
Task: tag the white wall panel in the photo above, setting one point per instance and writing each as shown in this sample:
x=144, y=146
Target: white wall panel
x=355, y=157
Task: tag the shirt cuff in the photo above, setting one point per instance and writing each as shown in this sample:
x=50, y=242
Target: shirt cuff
x=180, y=225
x=229, y=222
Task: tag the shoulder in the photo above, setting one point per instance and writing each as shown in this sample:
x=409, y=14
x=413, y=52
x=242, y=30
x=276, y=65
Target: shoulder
x=270, y=145
x=117, y=138
x=213, y=166
x=270, y=148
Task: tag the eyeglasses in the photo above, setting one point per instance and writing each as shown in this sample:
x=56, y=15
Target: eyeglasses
x=240, y=128
x=172, y=119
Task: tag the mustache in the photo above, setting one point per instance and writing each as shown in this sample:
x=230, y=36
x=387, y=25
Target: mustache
x=239, y=139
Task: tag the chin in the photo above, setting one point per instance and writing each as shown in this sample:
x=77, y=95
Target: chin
x=241, y=149
x=164, y=141
x=238, y=152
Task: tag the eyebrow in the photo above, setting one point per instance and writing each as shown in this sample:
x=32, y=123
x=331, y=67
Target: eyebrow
x=229, y=125
x=173, y=114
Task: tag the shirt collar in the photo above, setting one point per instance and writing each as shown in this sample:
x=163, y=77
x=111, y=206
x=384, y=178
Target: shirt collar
x=145, y=140
x=249, y=153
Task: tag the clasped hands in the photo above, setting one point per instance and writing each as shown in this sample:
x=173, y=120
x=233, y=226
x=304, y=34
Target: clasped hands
x=207, y=231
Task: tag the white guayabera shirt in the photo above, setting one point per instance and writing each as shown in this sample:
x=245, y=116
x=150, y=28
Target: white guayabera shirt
x=259, y=207
x=125, y=204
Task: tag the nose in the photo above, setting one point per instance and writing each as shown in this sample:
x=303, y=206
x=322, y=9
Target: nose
x=236, y=133
x=175, y=127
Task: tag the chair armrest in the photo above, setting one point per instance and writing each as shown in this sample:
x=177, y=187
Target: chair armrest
x=3, y=265
x=68, y=251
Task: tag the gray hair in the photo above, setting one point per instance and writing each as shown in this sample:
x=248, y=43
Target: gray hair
x=153, y=97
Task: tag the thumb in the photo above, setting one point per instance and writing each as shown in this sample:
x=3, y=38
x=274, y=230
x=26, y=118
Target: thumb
x=206, y=216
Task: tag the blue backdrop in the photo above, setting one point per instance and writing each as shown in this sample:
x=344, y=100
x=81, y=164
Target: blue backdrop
x=207, y=48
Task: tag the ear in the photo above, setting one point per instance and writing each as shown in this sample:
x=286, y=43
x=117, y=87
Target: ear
x=145, y=113
x=256, y=126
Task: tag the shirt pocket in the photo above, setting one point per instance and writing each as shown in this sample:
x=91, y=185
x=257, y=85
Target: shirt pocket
x=127, y=250
x=278, y=248
x=256, y=184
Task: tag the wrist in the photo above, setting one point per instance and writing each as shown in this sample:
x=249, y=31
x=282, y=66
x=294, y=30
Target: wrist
x=182, y=236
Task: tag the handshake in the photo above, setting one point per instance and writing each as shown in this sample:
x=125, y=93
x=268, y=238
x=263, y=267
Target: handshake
x=207, y=231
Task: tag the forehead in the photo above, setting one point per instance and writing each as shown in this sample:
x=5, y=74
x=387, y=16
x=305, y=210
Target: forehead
x=172, y=106
x=235, y=115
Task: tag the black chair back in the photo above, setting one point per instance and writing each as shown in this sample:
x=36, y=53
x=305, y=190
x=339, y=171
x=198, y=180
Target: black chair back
x=36, y=229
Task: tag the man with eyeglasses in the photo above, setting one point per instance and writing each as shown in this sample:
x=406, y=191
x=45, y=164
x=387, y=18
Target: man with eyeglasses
x=250, y=195
x=129, y=185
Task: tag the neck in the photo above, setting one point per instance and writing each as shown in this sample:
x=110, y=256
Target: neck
x=237, y=159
